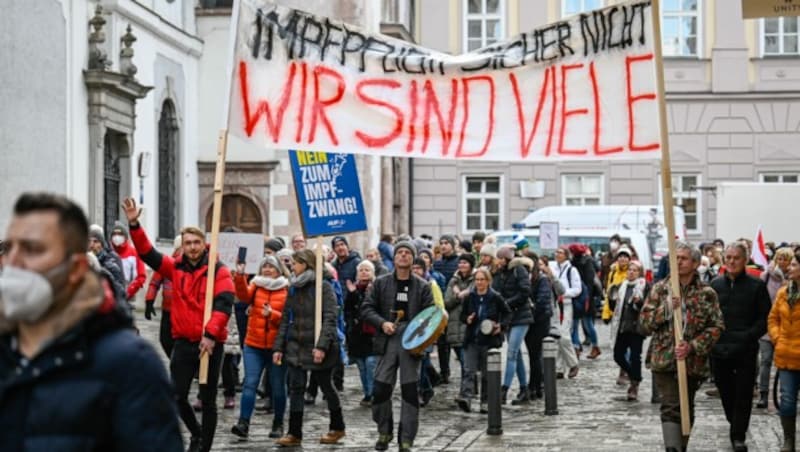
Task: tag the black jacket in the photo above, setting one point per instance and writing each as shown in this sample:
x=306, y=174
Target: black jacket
x=359, y=334
x=96, y=387
x=513, y=283
x=377, y=307
x=542, y=297
x=494, y=308
x=745, y=305
x=348, y=269
x=585, y=266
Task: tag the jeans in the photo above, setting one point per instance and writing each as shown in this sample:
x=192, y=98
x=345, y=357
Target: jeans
x=735, y=379
x=628, y=354
x=183, y=365
x=766, y=350
x=474, y=361
x=366, y=369
x=256, y=360
x=514, y=364
x=588, y=326
x=790, y=384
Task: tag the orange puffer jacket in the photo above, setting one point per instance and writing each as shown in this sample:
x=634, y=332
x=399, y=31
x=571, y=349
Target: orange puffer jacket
x=784, y=330
x=261, y=331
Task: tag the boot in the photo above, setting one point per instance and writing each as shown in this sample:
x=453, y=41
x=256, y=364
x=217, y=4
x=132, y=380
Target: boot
x=633, y=391
x=578, y=351
x=594, y=353
x=789, y=427
x=523, y=397
x=277, y=429
x=332, y=437
x=383, y=442
x=289, y=441
x=503, y=395
x=763, y=400
x=673, y=438
x=622, y=378
x=241, y=429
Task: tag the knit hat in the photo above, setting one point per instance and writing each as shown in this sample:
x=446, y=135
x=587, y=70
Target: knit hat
x=466, y=245
x=506, y=252
x=520, y=241
x=407, y=245
x=338, y=239
x=467, y=257
x=488, y=249
x=96, y=232
x=421, y=262
x=425, y=251
x=448, y=238
x=577, y=249
x=273, y=244
x=624, y=249
x=306, y=256
x=119, y=227
x=273, y=262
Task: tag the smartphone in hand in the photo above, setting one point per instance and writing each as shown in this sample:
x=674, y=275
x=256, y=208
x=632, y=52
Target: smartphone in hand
x=242, y=257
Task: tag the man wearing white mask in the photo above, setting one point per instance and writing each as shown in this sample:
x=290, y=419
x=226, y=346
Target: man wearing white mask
x=65, y=340
x=132, y=265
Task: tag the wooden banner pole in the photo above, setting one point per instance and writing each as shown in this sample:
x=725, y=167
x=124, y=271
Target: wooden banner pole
x=669, y=215
x=318, y=292
x=219, y=179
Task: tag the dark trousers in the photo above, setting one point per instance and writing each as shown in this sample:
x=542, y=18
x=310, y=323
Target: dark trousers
x=667, y=384
x=230, y=374
x=443, y=349
x=336, y=375
x=629, y=342
x=183, y=366
x=735, y=379
x=297, y=384
x=533, y=341
x=165, y=333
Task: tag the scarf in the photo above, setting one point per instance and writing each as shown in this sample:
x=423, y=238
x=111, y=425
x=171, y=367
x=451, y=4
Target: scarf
x=361, y=286
x=265, y=282
x=638, y=290
x=302, y=279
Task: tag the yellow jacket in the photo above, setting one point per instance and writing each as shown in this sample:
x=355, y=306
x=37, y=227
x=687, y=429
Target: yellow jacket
x=784, y=329
x=615, y=278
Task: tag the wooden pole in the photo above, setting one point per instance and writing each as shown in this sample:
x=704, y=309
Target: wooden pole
x=669, y=215
x=318, y=292
x=219, y=178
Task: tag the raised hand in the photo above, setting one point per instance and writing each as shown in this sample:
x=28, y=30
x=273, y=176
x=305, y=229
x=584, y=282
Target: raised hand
x=132, y=211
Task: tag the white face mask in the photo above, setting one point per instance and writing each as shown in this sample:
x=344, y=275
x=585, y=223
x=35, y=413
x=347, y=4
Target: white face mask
x=27, y=295
x=613, y=245
x=702, y=269
x=117, y=240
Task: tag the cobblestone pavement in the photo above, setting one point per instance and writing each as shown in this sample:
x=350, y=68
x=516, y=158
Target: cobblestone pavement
x=590, y=418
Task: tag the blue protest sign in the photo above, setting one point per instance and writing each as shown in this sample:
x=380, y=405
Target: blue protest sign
x=328, y=192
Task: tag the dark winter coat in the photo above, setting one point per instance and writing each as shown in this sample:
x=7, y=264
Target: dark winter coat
x=379, y=303
x=96, y=387
x=111, y=263
x=447, y=266
x=488, y=306
x=455, y=329
x=513, y=283
x=542, y=297
x=360, y=334
x=347, y=270
x=585, y=266
x=296, y=334
x=745, y=304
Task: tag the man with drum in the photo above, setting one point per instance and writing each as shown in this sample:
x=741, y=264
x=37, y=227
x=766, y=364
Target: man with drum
x=394, y=300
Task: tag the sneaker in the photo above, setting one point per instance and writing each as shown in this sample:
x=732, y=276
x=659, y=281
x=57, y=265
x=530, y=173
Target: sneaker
x=463, y=404
x=289, y=441
x=198, y=405
x=332, y=437
x=230, y=403
x=366, y=402
x=241, y=429
x=405, y=447
x=383, y=442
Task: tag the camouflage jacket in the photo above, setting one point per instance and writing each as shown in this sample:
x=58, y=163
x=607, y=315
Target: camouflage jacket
x=702, y=326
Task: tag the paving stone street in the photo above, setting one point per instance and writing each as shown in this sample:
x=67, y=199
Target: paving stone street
x=590, y=418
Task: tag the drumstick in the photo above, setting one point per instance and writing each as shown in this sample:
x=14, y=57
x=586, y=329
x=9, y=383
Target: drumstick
x=398, y=316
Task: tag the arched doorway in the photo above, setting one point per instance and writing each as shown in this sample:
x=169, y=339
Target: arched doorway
x=238, y=211
x=167, y=171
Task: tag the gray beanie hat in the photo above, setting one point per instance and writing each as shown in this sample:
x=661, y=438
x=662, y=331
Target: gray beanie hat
x=407, y=245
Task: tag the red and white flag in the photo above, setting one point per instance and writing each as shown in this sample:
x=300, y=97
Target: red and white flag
x=759, y=253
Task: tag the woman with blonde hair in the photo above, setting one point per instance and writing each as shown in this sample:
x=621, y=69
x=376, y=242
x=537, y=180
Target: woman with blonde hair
x=360, y=334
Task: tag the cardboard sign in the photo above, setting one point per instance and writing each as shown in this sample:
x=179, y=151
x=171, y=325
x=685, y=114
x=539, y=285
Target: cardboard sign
x=228, y=249
x=583, y=88
x=548, y=235
x=328, y=193
x=753, y=9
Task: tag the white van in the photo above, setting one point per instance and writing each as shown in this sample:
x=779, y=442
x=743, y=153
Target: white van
x=649, y=220
x=597, y=239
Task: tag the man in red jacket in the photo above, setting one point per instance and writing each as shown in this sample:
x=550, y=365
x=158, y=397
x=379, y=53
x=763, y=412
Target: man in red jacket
x=132, y=265
x=188, y=274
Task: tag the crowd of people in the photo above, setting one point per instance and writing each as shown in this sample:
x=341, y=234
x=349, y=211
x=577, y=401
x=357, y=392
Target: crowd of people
x=62, y=304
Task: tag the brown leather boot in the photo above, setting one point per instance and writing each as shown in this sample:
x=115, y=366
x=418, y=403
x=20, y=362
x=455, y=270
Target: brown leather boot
x=332, y=437
x=594, y=353
x=289, y=440
x=633, y=391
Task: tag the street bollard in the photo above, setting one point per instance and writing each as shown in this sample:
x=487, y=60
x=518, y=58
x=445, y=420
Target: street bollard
x=493, y=370
x=549, y=352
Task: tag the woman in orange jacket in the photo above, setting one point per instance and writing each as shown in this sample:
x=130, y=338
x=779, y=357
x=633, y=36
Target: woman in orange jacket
x=266, y=295
x=784, y=330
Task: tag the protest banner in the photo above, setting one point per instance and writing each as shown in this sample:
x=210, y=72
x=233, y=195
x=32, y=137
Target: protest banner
x=328, y=193
x=579, y=89
x=228, y=244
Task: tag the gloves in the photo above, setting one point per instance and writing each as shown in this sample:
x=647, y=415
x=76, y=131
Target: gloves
x=149, y=309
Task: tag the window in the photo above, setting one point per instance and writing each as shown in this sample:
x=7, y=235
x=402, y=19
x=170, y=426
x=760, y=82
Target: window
x=679, y=27
x=483, y=203
x=484, y=23
x=780, y=178
x=780, y=36
x=167, y=171
x=581, y=189
x=685, y=196
x=571, y=7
